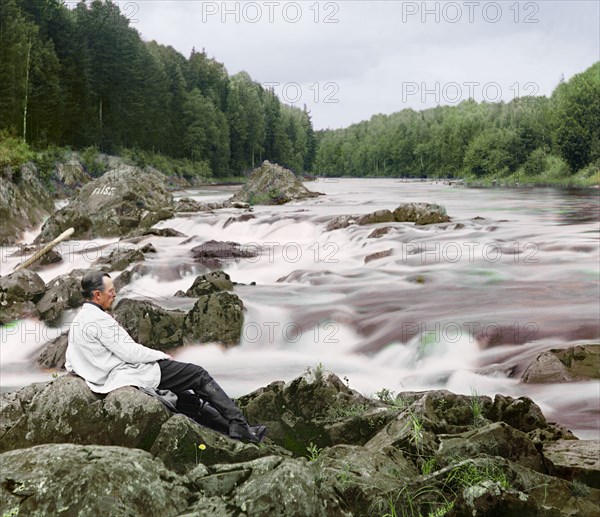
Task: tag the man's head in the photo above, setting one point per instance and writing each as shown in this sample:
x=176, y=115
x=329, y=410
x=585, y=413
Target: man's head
x=97, y=287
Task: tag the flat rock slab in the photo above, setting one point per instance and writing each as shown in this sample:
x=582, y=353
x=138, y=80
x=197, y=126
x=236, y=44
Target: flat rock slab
x=575, y=460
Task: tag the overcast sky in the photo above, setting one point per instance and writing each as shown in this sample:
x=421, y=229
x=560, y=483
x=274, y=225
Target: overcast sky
x=348, y=60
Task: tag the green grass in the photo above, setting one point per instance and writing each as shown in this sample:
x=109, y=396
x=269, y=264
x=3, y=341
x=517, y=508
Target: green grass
x=469, y=474
x=346, y=410
x=477, y=408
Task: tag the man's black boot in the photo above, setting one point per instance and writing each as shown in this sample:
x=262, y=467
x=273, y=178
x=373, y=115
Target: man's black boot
x=217, y=398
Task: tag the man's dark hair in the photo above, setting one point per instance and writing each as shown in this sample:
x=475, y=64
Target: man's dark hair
x=91, y=282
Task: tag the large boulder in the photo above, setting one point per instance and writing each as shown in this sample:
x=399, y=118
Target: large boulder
x=211, y=283
x=123, y=255
x=363, y=477
x=70, y=176
x=177, y=446
x=66, y=411
x=216, y=317
x=572, y=364
x=317, y=409
x=288, y=489
x=62, y=293
x=420, y=213
x=497, y=439
x=271, y=184
x=53, y=354
x=149, y=324
x=19, y=292
x=24, y=202
x=575, y=460
x=123, y=199
x=67, y=479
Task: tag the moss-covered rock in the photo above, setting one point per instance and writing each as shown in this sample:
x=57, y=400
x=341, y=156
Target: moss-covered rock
x=123, y=199
x=572, y=364
x=216, y=317
x=150, y=324
x=67, y=479
x=271, y=184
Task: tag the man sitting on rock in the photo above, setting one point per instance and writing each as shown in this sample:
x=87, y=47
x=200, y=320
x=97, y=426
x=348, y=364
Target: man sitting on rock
x=104, y=354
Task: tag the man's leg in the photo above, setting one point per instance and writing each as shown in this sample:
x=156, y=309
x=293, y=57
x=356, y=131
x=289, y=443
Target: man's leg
x=179, y=377
x=201, y=411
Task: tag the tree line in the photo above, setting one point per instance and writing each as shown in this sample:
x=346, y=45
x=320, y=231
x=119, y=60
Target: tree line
x=83, y=77
x=530, y=137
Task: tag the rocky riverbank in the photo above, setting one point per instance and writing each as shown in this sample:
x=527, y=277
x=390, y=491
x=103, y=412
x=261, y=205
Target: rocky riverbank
x=330, y=451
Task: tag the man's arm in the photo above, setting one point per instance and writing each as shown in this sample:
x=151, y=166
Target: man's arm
x=114, y=337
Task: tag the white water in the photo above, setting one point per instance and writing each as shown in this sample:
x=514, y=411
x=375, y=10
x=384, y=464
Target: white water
x=417, y=319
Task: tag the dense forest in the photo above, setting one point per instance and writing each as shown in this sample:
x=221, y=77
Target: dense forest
x=82, y=78
x=530, y=138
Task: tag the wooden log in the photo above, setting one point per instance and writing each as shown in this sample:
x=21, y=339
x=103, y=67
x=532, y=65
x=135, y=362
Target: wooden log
x=39, y=254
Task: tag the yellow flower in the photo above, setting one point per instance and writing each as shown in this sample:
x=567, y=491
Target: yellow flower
x=201, y=446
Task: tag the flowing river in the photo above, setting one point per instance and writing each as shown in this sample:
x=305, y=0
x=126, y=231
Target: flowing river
x=463, y=306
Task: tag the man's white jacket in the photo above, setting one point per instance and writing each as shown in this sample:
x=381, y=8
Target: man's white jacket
x=105, y=355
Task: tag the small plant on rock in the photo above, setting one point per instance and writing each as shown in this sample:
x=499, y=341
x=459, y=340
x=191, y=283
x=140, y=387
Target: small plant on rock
x=313, y=452
x=477, y=408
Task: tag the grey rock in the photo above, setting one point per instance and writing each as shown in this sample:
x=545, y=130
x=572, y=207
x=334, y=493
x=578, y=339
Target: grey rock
x=124, y=198
x=420, y=213
x=216, y=317
x=62, y=293
x=316, y=407
x=53, y=354
x=24, y=202
x=66, y=411
x=289, y=489
x=496, y=439
x=572, y=364
x=380, y=216
x=240, y=219
x=378, y=255
x=271, y=184
x=177, y=446
x=88, y=480
x=187, y=204
x=577, y=460
x=363, y=477
x=213, y=254
x=149, y=324
x=521, y=413
x=18, y=293
x=214, y=282
x=377, y=233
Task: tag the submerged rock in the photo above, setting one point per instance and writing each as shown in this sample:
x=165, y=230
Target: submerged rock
x=213, y=254
x=271, y=184
x=418, y=213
